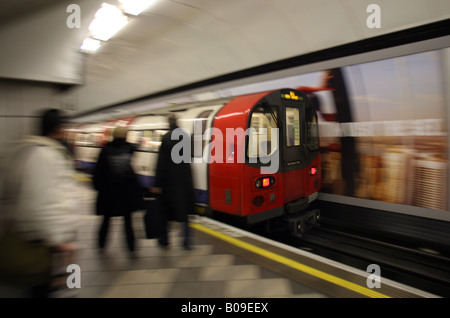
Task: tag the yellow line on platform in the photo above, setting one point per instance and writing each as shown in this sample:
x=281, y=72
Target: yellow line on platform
x=82, y=178
x=291, y=263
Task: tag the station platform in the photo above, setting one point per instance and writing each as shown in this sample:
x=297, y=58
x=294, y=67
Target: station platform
x=224, y=262
x=209, y=270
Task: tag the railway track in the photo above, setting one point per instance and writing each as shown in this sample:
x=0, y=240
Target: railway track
x=412, y=261
x=425, y=270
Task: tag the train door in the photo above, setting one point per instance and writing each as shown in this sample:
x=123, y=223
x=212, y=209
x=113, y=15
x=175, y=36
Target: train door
x=199, y=166
x=300, y=157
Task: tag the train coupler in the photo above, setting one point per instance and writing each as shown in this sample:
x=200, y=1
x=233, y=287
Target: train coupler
x=300, y=222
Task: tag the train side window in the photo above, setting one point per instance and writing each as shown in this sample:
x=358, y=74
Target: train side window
x=145, y=140
x=94, y=139
x=134, y=137
x=81, y=139
x=292, y=127
x=197, y=138
x=150, y=140
x=260, y=143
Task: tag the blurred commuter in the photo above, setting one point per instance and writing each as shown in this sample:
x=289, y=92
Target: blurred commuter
x=173, y=181
x=117, y=186
x=39, y=222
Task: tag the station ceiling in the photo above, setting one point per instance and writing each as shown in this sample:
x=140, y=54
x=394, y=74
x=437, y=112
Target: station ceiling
x=177, y=42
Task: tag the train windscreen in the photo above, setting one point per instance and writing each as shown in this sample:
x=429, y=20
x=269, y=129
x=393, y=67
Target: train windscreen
x=260, y=134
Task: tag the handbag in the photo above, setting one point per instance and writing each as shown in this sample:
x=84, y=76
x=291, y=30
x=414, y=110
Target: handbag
x=23, y=263
x=154, y=219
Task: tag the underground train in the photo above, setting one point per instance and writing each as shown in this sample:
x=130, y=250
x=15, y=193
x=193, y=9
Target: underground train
x=255, y=157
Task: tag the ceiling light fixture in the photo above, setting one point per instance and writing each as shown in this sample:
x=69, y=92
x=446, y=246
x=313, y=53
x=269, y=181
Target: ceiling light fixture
x=135, y=7
x=90, y=45
x=108, y=21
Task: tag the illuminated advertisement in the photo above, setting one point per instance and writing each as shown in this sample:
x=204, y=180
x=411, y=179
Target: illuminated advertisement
x=382, y=131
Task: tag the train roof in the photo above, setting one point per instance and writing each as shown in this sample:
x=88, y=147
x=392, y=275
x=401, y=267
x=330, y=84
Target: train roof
x=186, y=106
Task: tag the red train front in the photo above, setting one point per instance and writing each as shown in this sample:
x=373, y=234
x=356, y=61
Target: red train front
x=270, y=162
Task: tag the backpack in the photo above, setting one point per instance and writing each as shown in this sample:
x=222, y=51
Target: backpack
x=119, y=163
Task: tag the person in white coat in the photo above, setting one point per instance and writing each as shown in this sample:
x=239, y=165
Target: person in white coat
x=39, y=197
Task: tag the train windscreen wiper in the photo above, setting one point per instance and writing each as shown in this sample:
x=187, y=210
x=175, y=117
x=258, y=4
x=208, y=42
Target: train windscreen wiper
x=268, y=109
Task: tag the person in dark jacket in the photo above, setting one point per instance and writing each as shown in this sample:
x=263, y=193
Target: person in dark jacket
x=173, y=181
x=117, y=186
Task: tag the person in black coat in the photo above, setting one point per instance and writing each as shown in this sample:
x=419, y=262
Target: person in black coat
x=117, y=186
x=174, y=184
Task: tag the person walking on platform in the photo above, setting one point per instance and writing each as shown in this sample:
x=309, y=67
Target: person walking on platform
x=39, y=213
x=117, y=186
x=174, y=184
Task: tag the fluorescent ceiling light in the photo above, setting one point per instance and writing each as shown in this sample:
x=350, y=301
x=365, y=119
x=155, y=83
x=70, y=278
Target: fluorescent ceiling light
x=135, y=7
x=90, y=45
x=107, y=22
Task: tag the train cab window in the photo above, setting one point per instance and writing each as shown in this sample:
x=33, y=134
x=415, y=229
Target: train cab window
x=292, y=126
x=260, y=142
